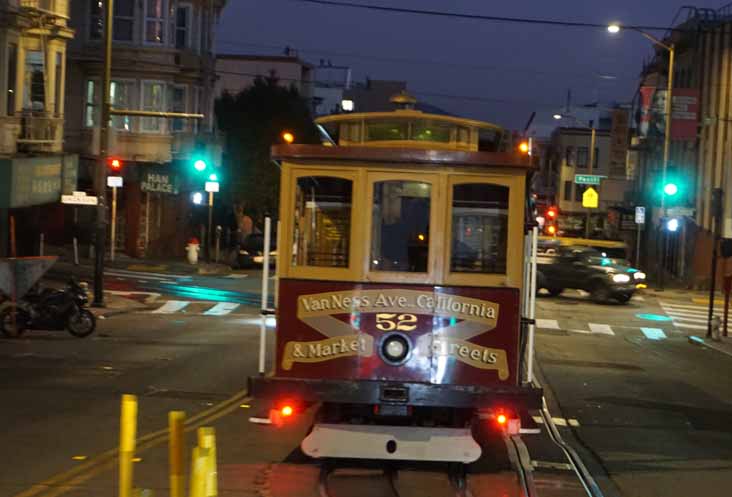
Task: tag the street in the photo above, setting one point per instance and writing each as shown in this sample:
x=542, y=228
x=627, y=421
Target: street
x=647, y=410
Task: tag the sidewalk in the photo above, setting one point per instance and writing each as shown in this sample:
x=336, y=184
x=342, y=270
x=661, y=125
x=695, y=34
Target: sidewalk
x=724, y=345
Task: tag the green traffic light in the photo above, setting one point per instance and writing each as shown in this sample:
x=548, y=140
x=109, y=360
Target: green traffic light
x=213, y=177
x=199, y=165
x=670, y=189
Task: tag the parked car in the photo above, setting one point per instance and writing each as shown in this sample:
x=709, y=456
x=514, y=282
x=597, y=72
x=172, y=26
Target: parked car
x=251, y=252
x=587, y=269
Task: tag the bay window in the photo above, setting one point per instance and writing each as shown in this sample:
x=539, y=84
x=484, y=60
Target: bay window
x=153, y=99
x=155, y=21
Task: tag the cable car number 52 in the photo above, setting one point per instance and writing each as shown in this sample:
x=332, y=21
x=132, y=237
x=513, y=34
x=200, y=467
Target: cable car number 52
x=399, y=322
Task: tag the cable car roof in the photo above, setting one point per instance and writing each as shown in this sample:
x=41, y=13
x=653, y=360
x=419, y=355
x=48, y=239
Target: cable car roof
x=401, y=156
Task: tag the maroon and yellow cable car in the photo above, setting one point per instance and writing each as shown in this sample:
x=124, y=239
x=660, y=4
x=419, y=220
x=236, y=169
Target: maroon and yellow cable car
x=401, y=277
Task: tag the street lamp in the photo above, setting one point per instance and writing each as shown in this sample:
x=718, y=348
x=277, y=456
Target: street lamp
x=557, y=116
x=615, y=28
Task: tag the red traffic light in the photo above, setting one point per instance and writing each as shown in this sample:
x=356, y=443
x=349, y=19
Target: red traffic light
x=551, y=213
x=115, y=164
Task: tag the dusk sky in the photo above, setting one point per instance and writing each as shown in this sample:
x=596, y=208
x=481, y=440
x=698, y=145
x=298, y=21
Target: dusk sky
x=515, y=68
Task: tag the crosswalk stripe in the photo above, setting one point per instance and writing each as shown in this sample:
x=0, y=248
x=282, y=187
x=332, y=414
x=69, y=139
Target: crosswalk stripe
x=171, y=306
x=654, y=333
x=551, y=324
x=688, y=306
x=695, y=319
x=603, y=329
x=638, y=298
x=221, y=309
x=685, y=313
x=690, y=326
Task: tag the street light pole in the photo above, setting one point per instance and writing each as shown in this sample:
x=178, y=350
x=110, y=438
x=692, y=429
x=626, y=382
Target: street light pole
x=671, y=48
x=100, y=176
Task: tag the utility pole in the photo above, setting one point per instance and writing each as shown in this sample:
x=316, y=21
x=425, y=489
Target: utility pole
x=590, y=166
x=100, y=176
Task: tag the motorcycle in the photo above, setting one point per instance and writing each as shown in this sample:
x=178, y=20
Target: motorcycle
x=50, y=309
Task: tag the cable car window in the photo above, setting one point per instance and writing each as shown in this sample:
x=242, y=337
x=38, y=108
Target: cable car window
x=479, y=228
x=322, y=226
x=387, y=130
x=401, y=226
x=431, y=131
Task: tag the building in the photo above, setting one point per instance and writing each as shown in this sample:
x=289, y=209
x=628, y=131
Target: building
x=331, y=82
x=237, y=72
x=162, y=61
x=569, y=155
x=700, y=153
x=34, y=170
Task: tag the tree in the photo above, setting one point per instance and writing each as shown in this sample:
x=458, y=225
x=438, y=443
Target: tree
x=253, y=121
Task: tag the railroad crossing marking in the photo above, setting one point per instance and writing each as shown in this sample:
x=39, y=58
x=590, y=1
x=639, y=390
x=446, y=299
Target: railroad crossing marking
x=603, y=329
x=654, y=333
x=221, y=309
x=558, y=421
x=549, y=324
x=171, y=306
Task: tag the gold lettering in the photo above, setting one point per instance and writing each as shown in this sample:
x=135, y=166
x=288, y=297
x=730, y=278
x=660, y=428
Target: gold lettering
x=475, y=354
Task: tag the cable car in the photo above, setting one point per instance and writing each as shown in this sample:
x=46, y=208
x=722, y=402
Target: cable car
x=402, y=284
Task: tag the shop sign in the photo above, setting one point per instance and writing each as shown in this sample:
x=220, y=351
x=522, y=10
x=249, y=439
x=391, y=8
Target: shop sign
x=159, y=182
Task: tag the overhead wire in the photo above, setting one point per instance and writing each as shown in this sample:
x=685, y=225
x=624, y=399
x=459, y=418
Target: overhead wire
x=591, y=74
x=478, y=17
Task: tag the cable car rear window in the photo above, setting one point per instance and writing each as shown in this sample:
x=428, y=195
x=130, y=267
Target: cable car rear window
x=479, y=228
x=401, y=226
x=322, y=226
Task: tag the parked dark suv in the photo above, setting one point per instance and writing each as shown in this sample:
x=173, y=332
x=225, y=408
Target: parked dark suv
x=584, y=268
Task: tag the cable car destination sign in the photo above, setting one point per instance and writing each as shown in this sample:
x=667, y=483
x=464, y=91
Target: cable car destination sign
x=396, y=311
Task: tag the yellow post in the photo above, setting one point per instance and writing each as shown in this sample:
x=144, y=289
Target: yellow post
x=207, y=441
x=127, y=436
x=176, y=446
x=198, y=472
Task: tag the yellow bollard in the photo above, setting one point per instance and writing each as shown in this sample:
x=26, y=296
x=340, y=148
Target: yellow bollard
x=127, y=436
x=198, y=472
x=207, y=440
x=176, y=447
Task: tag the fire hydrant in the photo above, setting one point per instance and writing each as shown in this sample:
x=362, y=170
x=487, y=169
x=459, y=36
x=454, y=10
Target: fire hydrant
x=192, y=250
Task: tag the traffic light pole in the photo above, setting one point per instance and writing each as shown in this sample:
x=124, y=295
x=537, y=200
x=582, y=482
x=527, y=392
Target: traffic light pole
x=100, y=176
x=210, y=222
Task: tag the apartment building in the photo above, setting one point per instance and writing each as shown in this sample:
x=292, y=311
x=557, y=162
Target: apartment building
x=34, y=170
x=162, y=61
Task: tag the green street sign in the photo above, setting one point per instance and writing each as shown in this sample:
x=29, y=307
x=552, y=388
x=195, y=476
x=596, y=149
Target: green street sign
x=588, y=179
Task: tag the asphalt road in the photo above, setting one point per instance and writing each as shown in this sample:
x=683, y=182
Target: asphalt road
x=648, y=411
x=652, y=410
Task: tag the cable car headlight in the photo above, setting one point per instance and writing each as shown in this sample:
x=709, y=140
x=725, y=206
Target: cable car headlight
x=395, y=349
x=639, y=275
x=621, y=278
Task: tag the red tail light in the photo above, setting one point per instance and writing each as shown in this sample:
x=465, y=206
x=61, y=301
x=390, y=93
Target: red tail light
x=287, y=411
x=501, y=419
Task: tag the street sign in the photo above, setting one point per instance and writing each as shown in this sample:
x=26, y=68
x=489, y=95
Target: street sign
x=114, y=181
x=588, y=179
x=640, y=215
x=590, y=198
x=212, y=186
x=79, y=198
x=681, y=211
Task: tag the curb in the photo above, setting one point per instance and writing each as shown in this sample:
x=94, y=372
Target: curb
x=695, y=340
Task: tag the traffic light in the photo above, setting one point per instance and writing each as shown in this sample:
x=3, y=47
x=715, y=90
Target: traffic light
x=200, y=165
x=551, y=230
x=524, y=147
x=551, y=213
x=670, y=189
x=115, y=164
